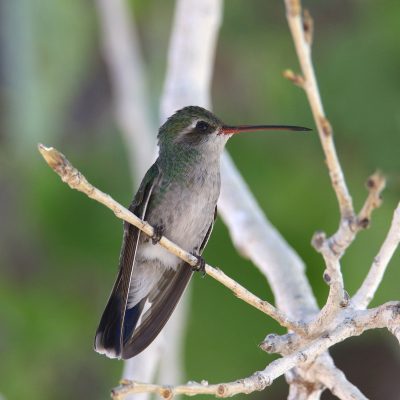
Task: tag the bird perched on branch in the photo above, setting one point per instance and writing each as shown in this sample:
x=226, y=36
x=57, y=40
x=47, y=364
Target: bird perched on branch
x=178, y=197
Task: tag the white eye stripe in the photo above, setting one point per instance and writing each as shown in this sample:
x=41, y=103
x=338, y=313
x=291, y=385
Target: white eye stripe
x=194, y=123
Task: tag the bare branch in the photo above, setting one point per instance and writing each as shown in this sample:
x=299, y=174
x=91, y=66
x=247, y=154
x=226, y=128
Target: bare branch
x=371, y=283
x=333, y=248
x=348, y=229
x=338, y=297
x=76, y=180
x=301, y=30
x=375, y=185
x=385, y=316
x=335, y=380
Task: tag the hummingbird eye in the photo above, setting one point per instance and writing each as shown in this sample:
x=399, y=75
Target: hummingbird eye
x=202, y=127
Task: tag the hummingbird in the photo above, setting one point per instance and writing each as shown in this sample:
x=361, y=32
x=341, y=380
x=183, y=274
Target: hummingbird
x=178, y=197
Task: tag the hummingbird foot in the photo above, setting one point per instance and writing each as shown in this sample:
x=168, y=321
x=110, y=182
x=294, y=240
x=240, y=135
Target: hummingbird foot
x=158, y=233
x=200, y=266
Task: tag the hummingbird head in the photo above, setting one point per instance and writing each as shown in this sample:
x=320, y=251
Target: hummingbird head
x=191, y=127
x=194, y=127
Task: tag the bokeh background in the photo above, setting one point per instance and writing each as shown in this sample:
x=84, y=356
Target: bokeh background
x=59, y=250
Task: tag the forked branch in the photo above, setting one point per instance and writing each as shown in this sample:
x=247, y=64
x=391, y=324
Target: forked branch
x=385, y=316
x=332, y=248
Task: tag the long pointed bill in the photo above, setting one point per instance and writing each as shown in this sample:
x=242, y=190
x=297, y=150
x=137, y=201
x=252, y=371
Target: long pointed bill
x=230, y=130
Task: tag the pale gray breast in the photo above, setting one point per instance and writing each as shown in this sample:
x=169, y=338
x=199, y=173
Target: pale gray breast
x=186, y=209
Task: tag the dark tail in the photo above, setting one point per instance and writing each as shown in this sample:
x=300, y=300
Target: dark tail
x=108, y=338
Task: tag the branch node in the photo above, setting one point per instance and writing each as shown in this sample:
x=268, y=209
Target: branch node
x=308, y=27
x=166, y=393
x=326, y=126
x=281, y=344
x=297, y=79
x=302, y=357
x=346, y=300
x=364, y=223
x=55, y=159
x=262, y=381
x=327, y=278
x=222, y=389
x=269, y=343
x=375, y=185
x=318, y=240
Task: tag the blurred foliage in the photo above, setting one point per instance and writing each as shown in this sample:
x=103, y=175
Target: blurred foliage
x=59, y=250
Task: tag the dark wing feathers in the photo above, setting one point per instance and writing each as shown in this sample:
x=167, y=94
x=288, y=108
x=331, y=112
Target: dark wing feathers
x=118, y=334
x=109, y=336
x=163, y=304
x=163, y=301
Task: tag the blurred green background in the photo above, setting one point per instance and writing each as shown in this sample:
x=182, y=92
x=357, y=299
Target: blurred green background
x=59, y=250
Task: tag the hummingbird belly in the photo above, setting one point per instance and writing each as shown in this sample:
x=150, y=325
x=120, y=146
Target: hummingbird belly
x=186, y=212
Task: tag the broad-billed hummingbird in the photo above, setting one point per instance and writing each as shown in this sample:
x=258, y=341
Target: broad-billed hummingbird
x=178, y=196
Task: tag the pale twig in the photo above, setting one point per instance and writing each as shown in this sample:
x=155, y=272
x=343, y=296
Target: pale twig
x=371, y=283
x=335, y=380
x=76, y=180
x=311, y=380
x=375, y=185
x=339, y=242
x=385, y=316
x=331, y=248
x=337, y=297
x=302, y=31
x=302, y=37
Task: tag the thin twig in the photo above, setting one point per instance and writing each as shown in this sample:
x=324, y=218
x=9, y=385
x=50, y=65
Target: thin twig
x=331, y=248
x=300, y=29
x=385, y=316
x=335, y=380
x=334, y=247
x=337, y=297
x=371, y=283
x=375, y=185
x=348, y=229
x=70, y=175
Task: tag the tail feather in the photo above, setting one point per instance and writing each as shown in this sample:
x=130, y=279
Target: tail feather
x=163, y=300
x=111, y=334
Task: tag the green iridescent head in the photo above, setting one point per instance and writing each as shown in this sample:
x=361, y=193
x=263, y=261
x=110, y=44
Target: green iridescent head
x=197, y=128
x=191, y=126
